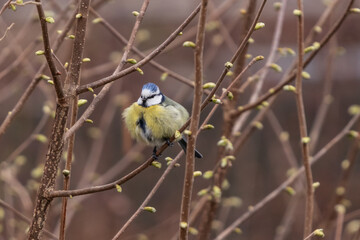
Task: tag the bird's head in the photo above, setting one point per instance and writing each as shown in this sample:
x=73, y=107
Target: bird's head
x=150, y=95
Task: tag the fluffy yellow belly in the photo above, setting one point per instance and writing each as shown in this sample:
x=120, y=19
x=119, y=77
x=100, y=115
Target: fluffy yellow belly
x=154, y=124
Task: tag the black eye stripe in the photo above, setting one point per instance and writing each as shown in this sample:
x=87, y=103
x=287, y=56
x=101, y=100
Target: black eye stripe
x=152, y=96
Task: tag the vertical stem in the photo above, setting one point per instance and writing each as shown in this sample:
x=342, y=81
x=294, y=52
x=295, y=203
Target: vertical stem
x=71, y=82
x=50, y=170
x=194, y=124
x=309, y=205
x=70, y=150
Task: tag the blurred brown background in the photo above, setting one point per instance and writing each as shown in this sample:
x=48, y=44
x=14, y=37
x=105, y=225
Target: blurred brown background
x=260, y=165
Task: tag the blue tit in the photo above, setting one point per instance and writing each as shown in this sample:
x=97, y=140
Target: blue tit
x=154, y=118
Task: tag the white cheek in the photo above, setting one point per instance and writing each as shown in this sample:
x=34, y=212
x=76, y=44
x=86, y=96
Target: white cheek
x=154, y=101
x=139, y=101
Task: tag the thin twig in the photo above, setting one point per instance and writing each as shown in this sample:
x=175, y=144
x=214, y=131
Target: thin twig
x=271, y=196
x=101, y=188
x=289, y=78
x=340, y=209
x=7, y=29
x=133, y=68
x=194, y=124
x=309, y=204
x=149, y=196
x=27, y=141
x=23, y=217
x=326, y=97
x=107, y=86
x=141, y=54
x=71, y=82
x=5, y=6
x=47, y=48
x=270, y=59
x=209, y=213
x=343, y=182
x=25, y=3
x=21, y=102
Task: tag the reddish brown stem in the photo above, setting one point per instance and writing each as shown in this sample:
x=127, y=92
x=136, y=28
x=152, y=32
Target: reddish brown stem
x=194, y=124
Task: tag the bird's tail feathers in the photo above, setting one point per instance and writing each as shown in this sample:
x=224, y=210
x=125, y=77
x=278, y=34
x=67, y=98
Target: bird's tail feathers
x=182, y=142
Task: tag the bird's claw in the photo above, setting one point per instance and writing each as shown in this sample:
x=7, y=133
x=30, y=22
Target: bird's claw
x=170, y=144
x=154, y=155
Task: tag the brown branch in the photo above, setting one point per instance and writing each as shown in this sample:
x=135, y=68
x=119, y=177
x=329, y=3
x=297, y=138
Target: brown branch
x=269, y=60
x=343, y=182
x=50, y=170
x=107, y=87
x=326, y=94
x=191, y=32
x=7, y=29
x=8, y=119
x=20, y=103
x=194, y=124
x=71, y=82
x=309, y=204
x=225, y=92
x=340, y=209
x=114, y=171
x=163, y=147
x=47, y=48
x=5, y=6
x=291, y=76
x=27, y=141
x=24, y=218
x=155, y=64
x=271, y=196
x=133, y=68
x=209, y=212
x=101, y=188
x=149, y=196
x=321, y=21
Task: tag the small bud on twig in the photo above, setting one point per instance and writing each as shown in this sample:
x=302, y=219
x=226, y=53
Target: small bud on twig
x=150, y=209
x=49, y=20
x=189, y=44
x=259, y=25
x=118, y=188
x=82, y=102
x=66, y=172
x=297, y=12
x=209, y=85
x=135, y=13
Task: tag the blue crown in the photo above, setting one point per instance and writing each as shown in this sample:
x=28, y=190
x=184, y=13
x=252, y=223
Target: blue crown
x=150, y=86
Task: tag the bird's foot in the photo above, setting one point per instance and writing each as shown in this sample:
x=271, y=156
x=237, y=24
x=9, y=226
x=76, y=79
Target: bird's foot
x=170, y=144
x=154, y=156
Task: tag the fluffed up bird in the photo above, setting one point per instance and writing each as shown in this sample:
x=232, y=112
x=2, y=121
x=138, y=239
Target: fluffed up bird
x=154, y=118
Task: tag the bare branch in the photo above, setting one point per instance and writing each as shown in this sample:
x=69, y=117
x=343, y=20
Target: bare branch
x=71, y=82
x=289, y=78
x=20, y=103
x=7, y=29
x=194, y=124
x=149, y=196
x=309, y=205
x=101, y=188
x=47, y=48
x=133, y=68
x=107, y=87
x=271, y=196
x=24, y=218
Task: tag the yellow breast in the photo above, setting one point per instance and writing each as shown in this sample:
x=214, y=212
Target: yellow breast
x=161, y=122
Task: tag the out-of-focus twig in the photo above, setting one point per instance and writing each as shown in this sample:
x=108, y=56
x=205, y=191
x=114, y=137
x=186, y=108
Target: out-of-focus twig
x=289, y=181
x=309, y=204
x=7, y=29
